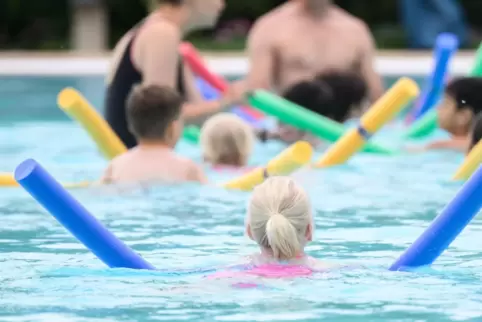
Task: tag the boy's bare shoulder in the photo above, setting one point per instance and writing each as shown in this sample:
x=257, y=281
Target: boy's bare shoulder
x=186, y=163
x=193, y=171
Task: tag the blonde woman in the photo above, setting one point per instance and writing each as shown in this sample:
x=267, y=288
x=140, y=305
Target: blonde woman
x=226, y=141
x=280, y=221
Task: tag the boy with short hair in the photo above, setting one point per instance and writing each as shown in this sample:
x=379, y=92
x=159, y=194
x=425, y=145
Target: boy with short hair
x=154, y=116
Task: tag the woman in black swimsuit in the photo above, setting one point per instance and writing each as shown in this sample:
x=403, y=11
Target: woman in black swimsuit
x=148, y=54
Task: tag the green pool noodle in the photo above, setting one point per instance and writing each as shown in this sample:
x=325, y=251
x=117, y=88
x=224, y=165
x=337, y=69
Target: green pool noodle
x=303, y=119
x=423, y=126
x=477, y=68
x=191, y=133
x=429, y=123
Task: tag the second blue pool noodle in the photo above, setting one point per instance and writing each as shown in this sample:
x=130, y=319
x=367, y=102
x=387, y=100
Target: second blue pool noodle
x=446, y=46
x=445, y=227
x=75, y=218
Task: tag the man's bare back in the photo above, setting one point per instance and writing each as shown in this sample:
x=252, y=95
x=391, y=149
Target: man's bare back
x=288, y=45
x=152, y=164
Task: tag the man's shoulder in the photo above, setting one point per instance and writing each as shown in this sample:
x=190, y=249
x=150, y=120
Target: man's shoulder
x=276, y=15
x=349, y=20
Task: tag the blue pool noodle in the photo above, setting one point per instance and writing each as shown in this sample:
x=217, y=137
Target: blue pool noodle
x=445, y=227
x=210, y=93
x=75, y=218
x=446, y=45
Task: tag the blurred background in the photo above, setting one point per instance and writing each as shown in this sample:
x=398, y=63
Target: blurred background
x=96, y=25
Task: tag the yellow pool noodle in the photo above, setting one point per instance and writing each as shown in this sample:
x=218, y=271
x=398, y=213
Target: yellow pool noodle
x=78, y=108
x=291, y=159
x=471, y=163
x=7, y=180
x=390, y=104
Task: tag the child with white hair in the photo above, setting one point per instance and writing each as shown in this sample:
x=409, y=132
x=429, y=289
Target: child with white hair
x=226, y=141
x=280, y=221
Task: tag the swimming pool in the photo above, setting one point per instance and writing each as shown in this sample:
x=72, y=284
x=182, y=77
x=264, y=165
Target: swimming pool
x=367, y=212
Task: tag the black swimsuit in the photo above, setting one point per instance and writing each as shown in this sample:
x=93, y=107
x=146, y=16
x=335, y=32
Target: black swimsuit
x=124, y=79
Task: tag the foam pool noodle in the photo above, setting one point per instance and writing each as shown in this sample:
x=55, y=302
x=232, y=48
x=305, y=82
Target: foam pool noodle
x=288, y=161
x=78, y=108
x=472, y=161
x=8, y=180
x=195, y=62
x=390, y=104
x=445, y=47
x=76, y=218
x=304, y=119
x=191, y=134
x=445, y=227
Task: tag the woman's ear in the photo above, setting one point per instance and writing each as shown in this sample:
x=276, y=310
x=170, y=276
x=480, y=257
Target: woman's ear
x=309, y=232
x=248, y=231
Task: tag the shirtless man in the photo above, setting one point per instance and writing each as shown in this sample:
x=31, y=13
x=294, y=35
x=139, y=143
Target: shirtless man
x=302, y=39
x=148, y=54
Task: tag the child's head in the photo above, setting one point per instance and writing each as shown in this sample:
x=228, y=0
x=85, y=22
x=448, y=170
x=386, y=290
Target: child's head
x=312, y=95
x=226, y=140
x=349, y=94
x=476, y=133
x=279, y=218
x=462, y=101
x=154, y=114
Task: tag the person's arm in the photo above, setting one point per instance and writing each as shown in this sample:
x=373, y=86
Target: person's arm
x=107, y=176
x=265, y=135
x=157, y=56
x=197, y=110
x=261, y=56
x=457, y=144
x=367, y=62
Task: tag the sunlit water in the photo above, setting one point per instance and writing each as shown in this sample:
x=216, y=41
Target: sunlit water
x=366, y=212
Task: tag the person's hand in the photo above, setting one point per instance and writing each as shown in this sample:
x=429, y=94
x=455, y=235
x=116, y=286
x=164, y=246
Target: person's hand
x=235, y=95
x=415, y=149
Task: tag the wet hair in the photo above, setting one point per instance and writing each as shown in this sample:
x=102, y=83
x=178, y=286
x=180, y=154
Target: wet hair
x=467, y=93
x=348, y=90
x=476, y=134
x=226, y=140
x=151, y=109
x=312, y=95
x=279, y=214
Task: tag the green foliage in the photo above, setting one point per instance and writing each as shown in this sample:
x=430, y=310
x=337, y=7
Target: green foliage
x=44, y=24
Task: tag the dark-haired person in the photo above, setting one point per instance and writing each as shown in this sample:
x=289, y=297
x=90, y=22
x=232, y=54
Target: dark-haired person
x=155, y=118
x=148, y=54
x=303, y=38
x=337, y=96
x=349, y=94
x=456, y=113
x=476, y=133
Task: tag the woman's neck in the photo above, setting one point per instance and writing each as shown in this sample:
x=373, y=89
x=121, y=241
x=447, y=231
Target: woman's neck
x=267, y=257
x=174, y=15
x=153, y=144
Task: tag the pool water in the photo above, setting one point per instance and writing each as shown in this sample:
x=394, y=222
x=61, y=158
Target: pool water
x=366, y=212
